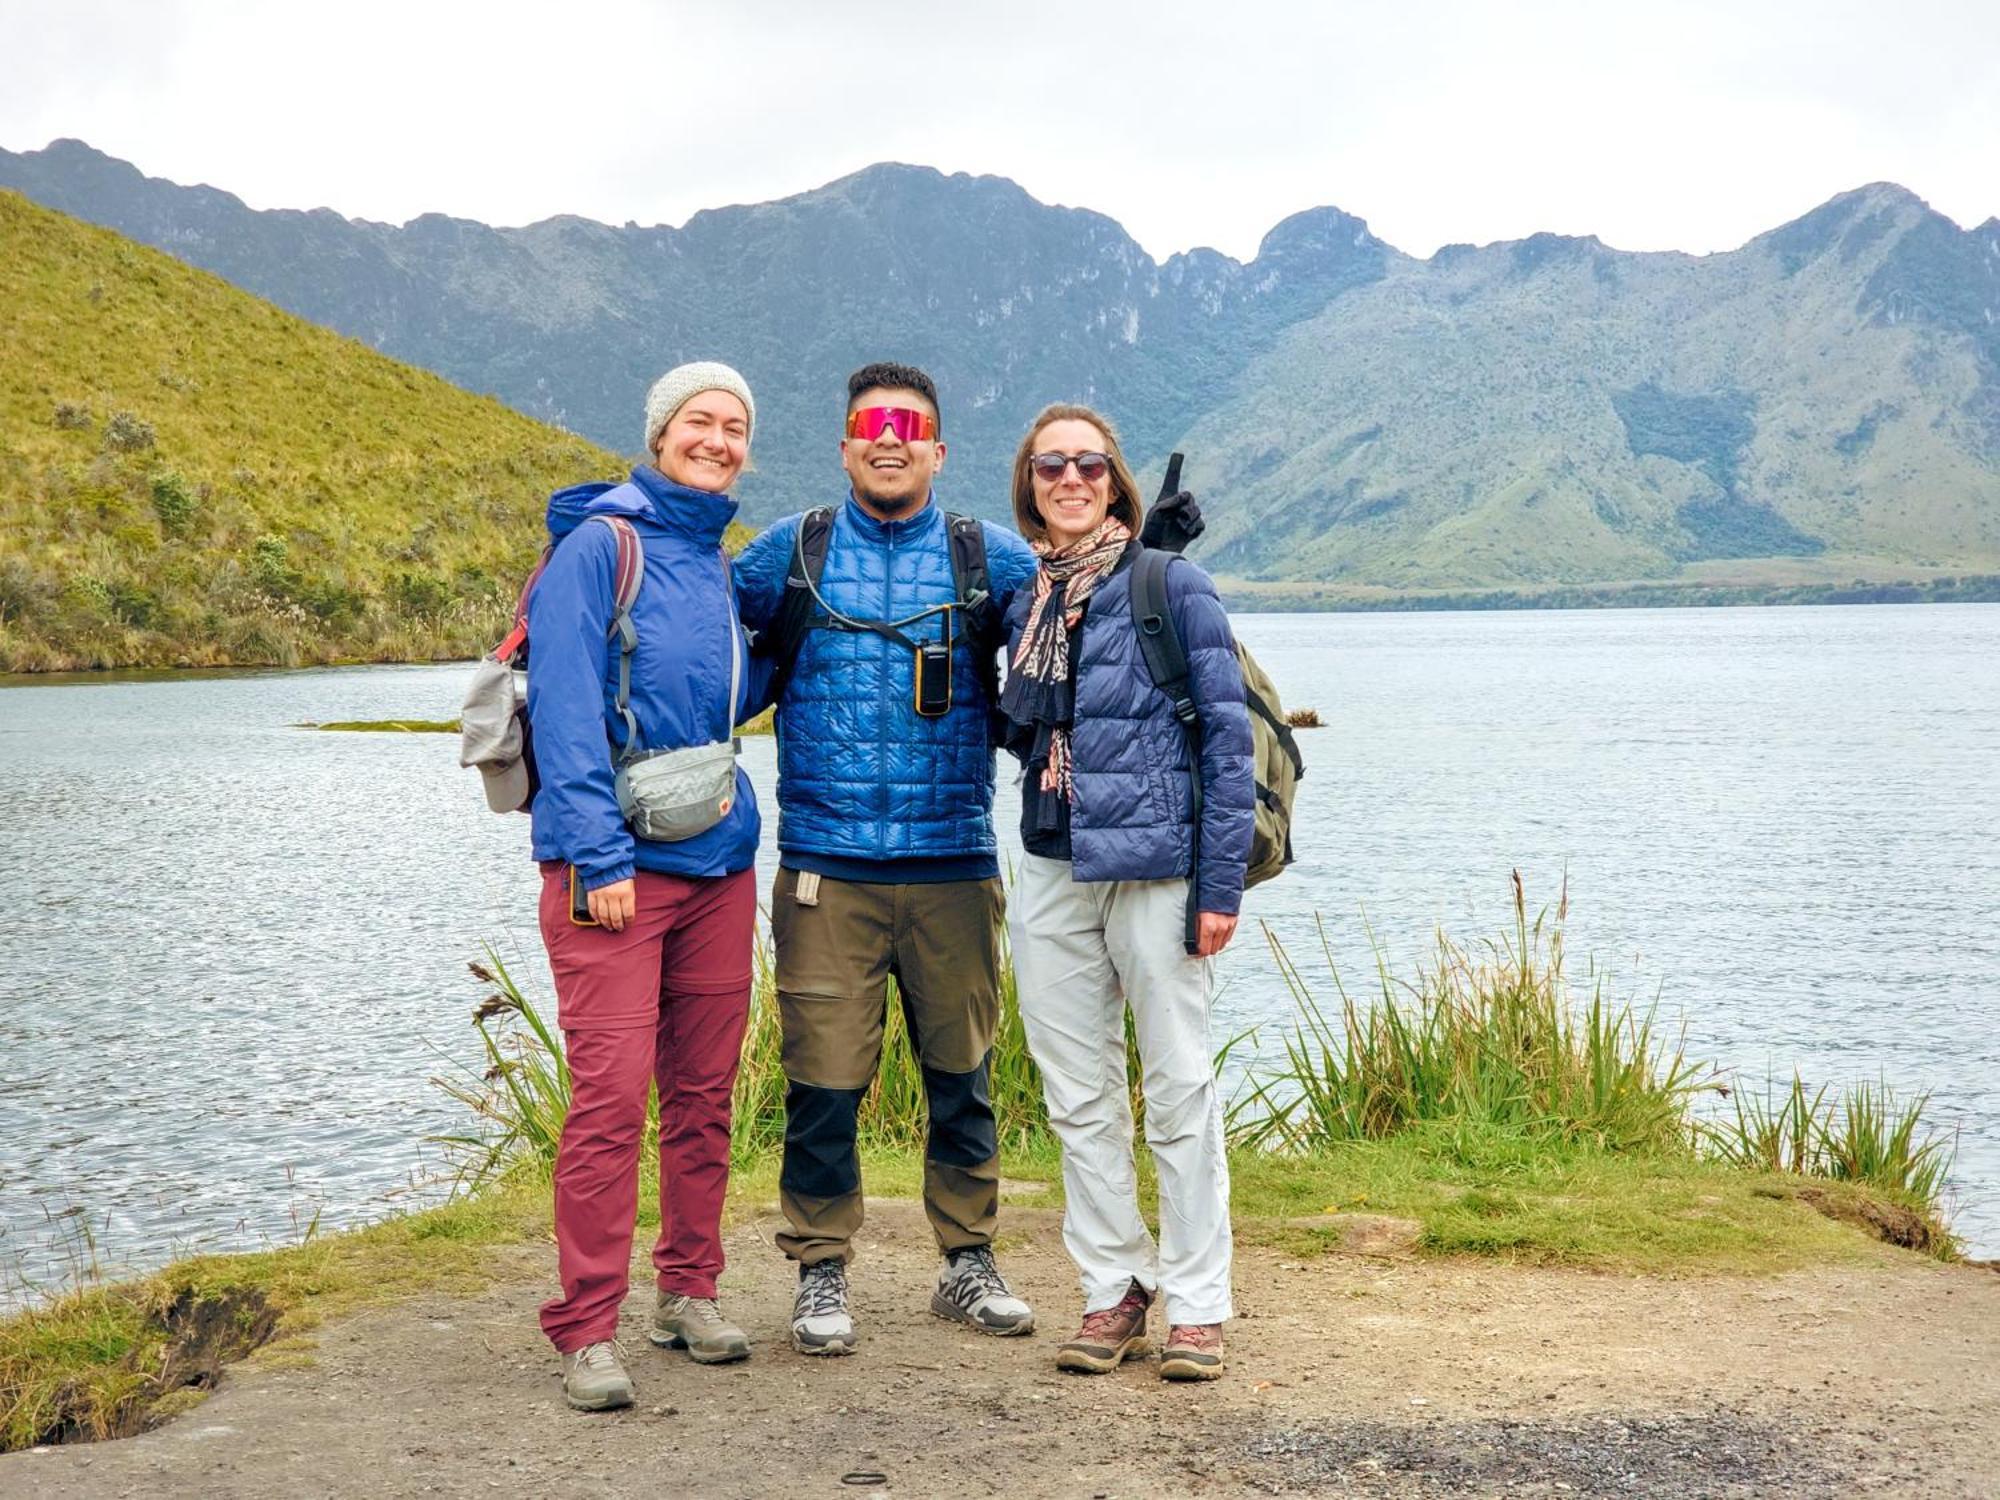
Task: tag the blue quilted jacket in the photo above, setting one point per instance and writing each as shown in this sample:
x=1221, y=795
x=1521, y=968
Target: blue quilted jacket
x=861, y=776
x=1132, y=814
x=680, y=675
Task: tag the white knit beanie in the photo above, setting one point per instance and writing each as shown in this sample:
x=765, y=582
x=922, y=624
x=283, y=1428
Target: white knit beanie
x=682, y=384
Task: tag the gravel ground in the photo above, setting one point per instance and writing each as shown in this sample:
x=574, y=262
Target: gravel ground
x=1367, y=1375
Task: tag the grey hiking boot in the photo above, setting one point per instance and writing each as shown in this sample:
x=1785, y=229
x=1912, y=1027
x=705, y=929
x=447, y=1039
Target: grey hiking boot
x=971, y=1290
x=696, y=1324
x=1110, y=1337
x=594, y=1378
x=820, y=1322
x=1193, y=1352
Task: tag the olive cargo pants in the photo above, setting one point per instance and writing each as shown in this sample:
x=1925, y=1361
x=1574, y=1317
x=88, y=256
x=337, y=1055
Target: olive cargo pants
x=838, y=944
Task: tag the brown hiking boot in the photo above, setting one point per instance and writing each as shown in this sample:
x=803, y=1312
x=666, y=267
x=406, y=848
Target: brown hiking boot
x=1193, y=1352
x=1108, y=1338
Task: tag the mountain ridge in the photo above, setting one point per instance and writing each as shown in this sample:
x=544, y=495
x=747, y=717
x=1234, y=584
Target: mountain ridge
x=1546, y=410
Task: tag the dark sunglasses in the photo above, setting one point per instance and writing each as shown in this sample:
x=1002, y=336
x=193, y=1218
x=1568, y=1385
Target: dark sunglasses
x=1090, y=467
x=912, y=426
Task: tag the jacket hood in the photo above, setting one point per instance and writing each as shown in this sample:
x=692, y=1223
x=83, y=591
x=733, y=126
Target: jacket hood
x=568, y=507
x=648, y=498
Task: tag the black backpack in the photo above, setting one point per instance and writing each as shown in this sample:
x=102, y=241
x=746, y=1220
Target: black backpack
x=980, y=622
x=1274, y=750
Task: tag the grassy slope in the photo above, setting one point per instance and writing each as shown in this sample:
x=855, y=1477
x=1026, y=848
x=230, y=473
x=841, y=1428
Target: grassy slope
x=272, y=493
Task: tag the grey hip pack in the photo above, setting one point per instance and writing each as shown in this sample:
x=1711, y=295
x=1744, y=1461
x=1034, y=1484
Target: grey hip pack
x=670, y=795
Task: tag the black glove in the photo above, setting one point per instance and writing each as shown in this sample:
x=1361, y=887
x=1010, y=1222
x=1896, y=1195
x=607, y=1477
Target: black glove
x=1175, y=517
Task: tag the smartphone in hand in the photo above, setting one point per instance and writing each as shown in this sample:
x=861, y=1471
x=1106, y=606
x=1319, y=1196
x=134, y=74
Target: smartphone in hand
x=579, y=901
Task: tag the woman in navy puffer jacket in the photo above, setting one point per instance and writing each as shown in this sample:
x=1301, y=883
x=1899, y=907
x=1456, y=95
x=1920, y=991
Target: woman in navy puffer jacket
x=1099, y=911
x=649, y=940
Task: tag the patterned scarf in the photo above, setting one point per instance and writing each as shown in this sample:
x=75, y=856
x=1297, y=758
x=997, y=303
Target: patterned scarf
x=1039, y=692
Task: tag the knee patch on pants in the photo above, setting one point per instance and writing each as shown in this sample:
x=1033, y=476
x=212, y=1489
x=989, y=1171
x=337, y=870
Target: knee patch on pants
x=819, y=1141
x=962, y=1132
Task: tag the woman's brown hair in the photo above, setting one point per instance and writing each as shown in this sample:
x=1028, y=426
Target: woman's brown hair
x=1124, y=488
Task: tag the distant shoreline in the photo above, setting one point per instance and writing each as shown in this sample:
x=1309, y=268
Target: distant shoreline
x=1980, y=589
x=1972, y=589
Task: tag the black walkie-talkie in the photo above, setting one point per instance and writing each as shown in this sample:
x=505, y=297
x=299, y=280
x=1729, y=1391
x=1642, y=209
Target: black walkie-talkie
x=934, y=673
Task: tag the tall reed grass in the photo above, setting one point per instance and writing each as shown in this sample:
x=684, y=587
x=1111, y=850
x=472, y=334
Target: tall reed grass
x=1484, y=1039
x=1864, y=1135
x=518, y=1095
x=1487, y=1036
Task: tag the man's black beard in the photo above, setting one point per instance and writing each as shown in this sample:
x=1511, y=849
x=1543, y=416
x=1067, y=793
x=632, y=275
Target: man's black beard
x=895, y=505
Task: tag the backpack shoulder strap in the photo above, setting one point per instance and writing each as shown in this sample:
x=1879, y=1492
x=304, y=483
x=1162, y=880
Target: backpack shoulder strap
x=973, y=582
x=809, y=546
x=796, y=607
x=969, y=573
x=628, y=572
x=1159, y=639
x=1167, y=664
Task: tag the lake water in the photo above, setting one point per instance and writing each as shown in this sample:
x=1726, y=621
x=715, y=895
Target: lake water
x=235, y=950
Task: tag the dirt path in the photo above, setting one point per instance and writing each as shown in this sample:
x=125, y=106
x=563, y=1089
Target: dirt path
x=1351, y=1375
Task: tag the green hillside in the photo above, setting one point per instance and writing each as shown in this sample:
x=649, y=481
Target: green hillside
x=1812, y=409
x=189, y=476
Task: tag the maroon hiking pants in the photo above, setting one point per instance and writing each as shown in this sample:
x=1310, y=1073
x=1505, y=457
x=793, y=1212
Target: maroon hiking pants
x=663, y=1002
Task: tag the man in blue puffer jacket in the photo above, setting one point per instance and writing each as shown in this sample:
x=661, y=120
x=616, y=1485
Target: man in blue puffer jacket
x=888, y=863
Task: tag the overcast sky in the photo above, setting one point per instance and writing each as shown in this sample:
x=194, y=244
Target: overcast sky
x=1687, y=126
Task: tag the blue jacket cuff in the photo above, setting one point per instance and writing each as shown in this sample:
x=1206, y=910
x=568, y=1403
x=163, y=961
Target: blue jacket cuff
x=597, y=876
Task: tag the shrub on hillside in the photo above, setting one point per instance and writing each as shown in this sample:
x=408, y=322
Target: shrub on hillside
x=333, y=603
x=420, y=595
x=127, y=433
x=174, y=503
x=271, y=567
x=25, y=592
x=72, y=416
x=133, y=605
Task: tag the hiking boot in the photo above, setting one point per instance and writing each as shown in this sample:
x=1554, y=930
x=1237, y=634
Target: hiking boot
x=820, y=1324
x=1108, y=1338
x=696, y=1324
x=1193, y=1352
x=971, y=1290
x=594, y=1378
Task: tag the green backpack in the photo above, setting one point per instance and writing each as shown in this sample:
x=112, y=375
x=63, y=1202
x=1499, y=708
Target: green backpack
x=1275, y=755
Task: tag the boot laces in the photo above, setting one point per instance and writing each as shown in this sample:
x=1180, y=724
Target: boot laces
x=978, y=1267
x=823, y=1289
x=1116, y=1318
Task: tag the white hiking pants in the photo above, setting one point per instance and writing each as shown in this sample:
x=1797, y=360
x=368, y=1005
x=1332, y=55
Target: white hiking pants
x=1083, y=951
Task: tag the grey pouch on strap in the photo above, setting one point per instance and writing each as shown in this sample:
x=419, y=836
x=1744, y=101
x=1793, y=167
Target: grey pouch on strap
x=669, y=795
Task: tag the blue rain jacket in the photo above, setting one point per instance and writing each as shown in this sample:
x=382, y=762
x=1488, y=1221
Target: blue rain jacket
x=680, y=675
x=861, y=775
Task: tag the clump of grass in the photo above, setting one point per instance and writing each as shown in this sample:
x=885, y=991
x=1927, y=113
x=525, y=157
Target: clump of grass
x=520, y=1094
x=520, y=1097
x=1489, y=1045
x=1304, y=718
x=1865, y=1135
x=1487, y=1037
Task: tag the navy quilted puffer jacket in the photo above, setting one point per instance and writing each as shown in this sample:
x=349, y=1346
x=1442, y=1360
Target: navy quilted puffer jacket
x=861, y=775
x=1132, y=814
